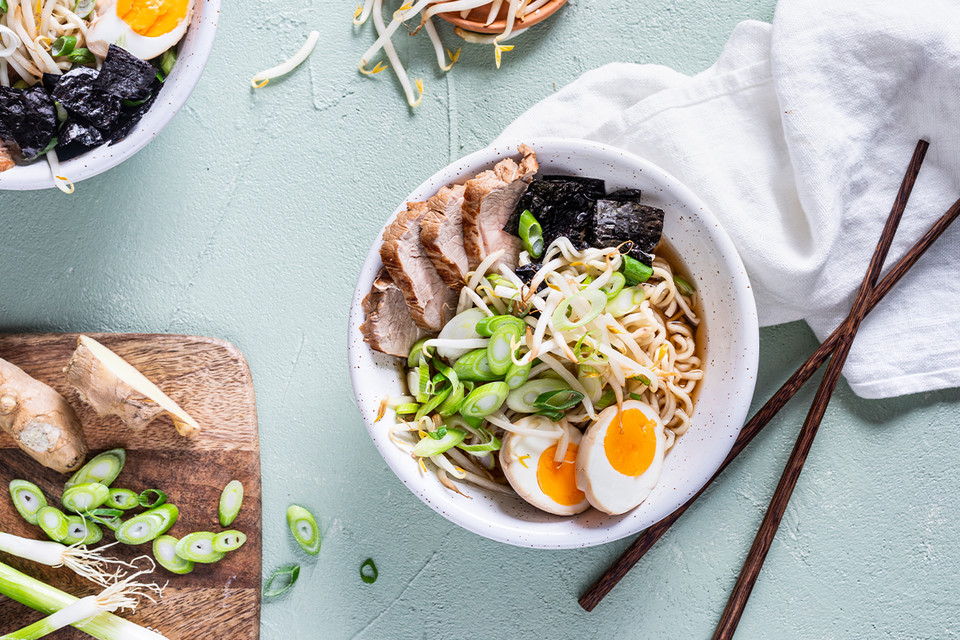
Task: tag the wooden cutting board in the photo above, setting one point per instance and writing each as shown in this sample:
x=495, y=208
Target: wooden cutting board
x=210, y=379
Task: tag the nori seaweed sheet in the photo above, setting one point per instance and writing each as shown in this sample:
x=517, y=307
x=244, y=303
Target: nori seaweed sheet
x=593, y=187
x=526, y=272
x=130, y=116
x=124, y=75
x=562, y=206
x=74, y=133
x=624, y=195
x=50, y=81
x=28, y=119
x=618, y=221
x=79, y=95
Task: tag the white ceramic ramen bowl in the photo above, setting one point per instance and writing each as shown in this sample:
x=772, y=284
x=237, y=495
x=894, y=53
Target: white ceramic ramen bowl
x=192, y=57
x=731, y=352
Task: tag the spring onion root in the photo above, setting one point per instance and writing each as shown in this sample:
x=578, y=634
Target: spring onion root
x=87, y=563
x=103, y=468
x=230, y=502
x=304, y=528
x=261, y=79
x=286, y=575
x=165, y=551
x=28, y=499
x=149, y=525
x=229, y=541
x=198, y=547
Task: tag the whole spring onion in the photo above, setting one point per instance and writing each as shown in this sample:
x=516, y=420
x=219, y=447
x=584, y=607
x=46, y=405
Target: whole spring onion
x=198, y=547
x=149, y=525
x=286, y=575
x=27, y=498
x=89, y=564
x=566, y=316
x=165, y=551
x=53, y=522
x=626, y=301
x=231, y=499
x=123, y=499
x=368, y=571
x=635, y=271
x=684, y=286
x=430, y=446
x=517, y=374
x=63, y=46
x=228, y=541
x=84, y=497
x=303, y=527
x=102, y=468
x=46, y=599
x=531, y=234
x=80, y=531
x=474, y=367
x=151, y=498
x=500, y=349
x=484, y=400
x=523, y=399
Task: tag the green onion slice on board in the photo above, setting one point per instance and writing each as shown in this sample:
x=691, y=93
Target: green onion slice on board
x=198, y=547
x=286, y=576
x=303, y=527
x=368, y=571
x=230, y=502
x=109, y=518
x=229, y=541
x=151, y=498
x=80, y=531
x=28, y=499
x=149, y=525
x=103, y=468
x=123, y=499
x=165, y=551
x=84, y=497
x=54, y=523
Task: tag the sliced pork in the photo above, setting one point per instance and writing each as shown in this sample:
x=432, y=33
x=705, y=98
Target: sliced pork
x=441, y=232
x=489, y=201
x=388, y=327
x=430, y=300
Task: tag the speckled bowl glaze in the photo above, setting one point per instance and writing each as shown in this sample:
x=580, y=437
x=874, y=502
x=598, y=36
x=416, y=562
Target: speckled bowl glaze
x=731, y=353
x=191, y=59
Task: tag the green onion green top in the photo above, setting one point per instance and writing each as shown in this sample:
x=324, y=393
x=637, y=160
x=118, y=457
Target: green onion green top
x=635, y=271
x=368, y=571
x=287, y=576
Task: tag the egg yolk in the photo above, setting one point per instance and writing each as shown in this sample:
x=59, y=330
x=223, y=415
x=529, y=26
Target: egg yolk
x=631, y=442
x=559, y=481
x=152, y=18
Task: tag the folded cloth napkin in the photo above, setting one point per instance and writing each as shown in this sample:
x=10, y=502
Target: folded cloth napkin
x=797, y=139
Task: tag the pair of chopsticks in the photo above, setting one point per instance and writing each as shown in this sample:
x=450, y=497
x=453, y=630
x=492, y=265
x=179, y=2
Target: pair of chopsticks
x=836, y=345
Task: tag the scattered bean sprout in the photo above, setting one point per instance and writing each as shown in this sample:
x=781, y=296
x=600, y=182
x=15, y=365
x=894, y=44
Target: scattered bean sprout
x=261, y=79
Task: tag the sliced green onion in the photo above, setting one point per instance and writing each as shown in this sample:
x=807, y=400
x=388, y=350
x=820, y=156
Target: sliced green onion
x=149, y=525
x=135, y=103
x=553, y=415
x=368, y=571
x=28, y=499
x=423, y=382
x=475, y=367
x=103, y=468
x=471, y=421
x=614, y=284
x=167, y=60
x=626, y=301
x=229, y=541
x=79, y=531
x=165, y=551
x=231, y=499
x=500, y=349
x=407, y=408
x=109, y=518
x=84, y=497
x=288, y=577
x=484, y=400
x=531, y=234
x=198, y=547
x=642, y=379
x=84, y=8
x=565, y=318
x=636, y=396
x=124, y=499
x=523, y=399
x=590, y=378
x=683, y=286
x=82, y=56
x=635, y=271
x=417, y=356
x=491, y=443
x=517, y=374
x=462, y=326
x=303, y=527
x=151, y=498
x=433, y=403
x=54, y=523
x=3, y=6
x=453, y=402
x=559, y=400
x=430, y=446
x=489, y=324
x=63, y=46
x=607, y=399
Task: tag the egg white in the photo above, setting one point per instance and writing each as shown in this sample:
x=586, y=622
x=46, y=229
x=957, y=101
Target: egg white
x=109, y=29
x=522, y=474
x=606, y=488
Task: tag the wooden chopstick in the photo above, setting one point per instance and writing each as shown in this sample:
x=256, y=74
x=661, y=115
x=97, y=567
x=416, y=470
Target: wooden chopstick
x=791, y=473
x=645, y=541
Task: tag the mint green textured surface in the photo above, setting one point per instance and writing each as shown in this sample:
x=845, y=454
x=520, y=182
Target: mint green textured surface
x=248, y=219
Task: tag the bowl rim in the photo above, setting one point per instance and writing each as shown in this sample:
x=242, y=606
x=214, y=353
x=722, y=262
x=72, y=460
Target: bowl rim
x=515, y=533
x=86, y=165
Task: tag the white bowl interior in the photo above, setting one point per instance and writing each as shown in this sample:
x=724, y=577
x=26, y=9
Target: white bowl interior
x=192, y=56
x=731, y=354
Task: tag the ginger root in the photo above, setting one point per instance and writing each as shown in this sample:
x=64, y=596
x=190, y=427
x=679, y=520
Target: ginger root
x=40, y=420
x=112, y=386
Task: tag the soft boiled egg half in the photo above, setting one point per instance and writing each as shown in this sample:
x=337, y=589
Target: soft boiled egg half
x=529, y=462
x=620, y=457
x=145, y=28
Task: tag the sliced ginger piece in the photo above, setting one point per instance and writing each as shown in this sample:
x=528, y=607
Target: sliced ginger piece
x=114, y=387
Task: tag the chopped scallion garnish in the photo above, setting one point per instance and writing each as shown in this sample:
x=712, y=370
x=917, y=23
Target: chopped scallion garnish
x=27, y=498
x=287, y=576
x=151, y=498
x=368, y=571
x=230, y=501
x=303, y=527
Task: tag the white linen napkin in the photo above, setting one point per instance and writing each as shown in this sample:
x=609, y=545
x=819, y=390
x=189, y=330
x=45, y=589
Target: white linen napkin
x=797, y=139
